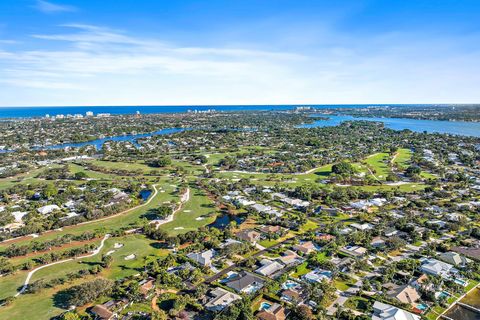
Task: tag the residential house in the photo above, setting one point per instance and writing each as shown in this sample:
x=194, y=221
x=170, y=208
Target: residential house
x=305, y=247
x=438, y=268
x=203, y=258
x=220, y=299
x=318, y=275
x=454, y=258
x=269, y=267
x=246, y=282
x=406, y=294
x=289, y=257
x=249, y=235
x=383, y=311
x=355, y=251
x=48, y=209
x=275, y=312
x=100, y=312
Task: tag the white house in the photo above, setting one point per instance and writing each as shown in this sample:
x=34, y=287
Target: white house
x=383, y=311
x=269, y=267
x=438, y=268
x=220, y=299
x=203, y=258
x=48, y=209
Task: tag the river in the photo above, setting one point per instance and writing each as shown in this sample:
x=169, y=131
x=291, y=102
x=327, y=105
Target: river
x=451, y=127
x=99, y=142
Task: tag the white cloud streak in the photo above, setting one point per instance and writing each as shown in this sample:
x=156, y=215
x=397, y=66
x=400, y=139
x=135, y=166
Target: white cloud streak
x=51, y=8
x=97, y=65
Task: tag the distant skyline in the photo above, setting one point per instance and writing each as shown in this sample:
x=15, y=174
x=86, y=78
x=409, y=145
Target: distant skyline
x=226, y=52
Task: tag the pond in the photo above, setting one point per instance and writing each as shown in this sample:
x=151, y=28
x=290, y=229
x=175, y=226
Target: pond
x=223, y=220
x=452, y=127
x=145, y=194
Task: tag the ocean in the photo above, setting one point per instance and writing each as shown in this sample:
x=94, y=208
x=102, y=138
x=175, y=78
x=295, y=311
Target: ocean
x=26, y=112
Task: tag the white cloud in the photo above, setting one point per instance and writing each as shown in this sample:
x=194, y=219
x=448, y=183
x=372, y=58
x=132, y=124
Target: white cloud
x=93, y=65
x=49, y=7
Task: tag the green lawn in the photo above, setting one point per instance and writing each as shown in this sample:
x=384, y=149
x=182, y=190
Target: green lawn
x=378, y=163
x=357, y=303
x=301, y=270
x=342, y=285
x=197, y=212
x=123, y=165
x=123, y=220
x=402, y=159
x=143, y=248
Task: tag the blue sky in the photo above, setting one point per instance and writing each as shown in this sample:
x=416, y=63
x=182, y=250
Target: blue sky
x=125, y=52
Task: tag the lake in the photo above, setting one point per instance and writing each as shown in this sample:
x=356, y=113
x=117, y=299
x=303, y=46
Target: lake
x=451, y=127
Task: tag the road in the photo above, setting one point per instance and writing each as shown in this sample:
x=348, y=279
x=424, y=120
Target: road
x=31, y=273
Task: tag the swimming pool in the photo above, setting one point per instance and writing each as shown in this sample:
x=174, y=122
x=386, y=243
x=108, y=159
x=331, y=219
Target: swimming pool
x=422, y=307
x=461, y=282
x=265, y=306
x=289, y=284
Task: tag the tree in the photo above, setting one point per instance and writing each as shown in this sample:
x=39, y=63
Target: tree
x=107, y=261
x=87, y=292
x=71, y=315
x=81, y=175
x=302, y=312
x=50, y=190
x=162, y=162
x=343, y=168
x=412, y=171
x=159, y=315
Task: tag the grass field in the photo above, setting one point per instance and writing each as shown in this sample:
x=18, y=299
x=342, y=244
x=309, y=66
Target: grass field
x=402, y=158
x=116, y=222
x=143, y=249
x=24, y=178
x=199, y=206
x=378, y=163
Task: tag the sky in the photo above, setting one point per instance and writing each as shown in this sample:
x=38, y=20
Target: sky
x=218, y=52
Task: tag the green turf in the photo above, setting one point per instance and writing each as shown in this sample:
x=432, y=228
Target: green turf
x=378, y=163
x=123, y=220
x=199, y=206
x=403, y=158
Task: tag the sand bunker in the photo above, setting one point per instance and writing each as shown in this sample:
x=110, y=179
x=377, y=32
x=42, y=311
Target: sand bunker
x=130, y=257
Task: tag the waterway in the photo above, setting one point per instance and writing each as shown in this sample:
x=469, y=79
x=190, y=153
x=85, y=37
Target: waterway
x=431, y=126
x=98, y=143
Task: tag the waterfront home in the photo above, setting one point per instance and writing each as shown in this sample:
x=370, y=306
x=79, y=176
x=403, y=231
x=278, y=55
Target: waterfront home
x=220, y=298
